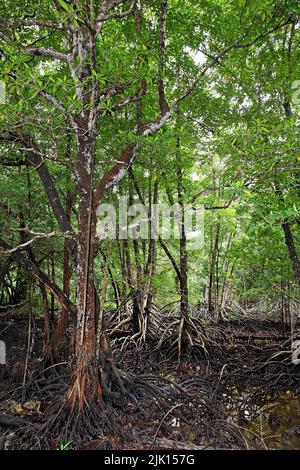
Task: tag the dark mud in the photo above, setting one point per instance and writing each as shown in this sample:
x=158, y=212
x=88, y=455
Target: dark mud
x=245, y=394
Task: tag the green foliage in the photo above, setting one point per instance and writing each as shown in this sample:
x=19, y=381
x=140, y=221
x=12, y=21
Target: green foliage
x=65, y=445
x=237, y=145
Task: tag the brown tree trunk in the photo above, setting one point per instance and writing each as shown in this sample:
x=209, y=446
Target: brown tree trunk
x=212, y=274
x=62, y=321
x=20, y=292
x=183, y=262
x=152, y=255
x=85, y=387
x=289, y=240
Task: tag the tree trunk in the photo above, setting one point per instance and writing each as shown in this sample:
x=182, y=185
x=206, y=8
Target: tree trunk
x=212, y=274
x=85, y=387
x=183, y=263
x=289, y=240
x=62, y=321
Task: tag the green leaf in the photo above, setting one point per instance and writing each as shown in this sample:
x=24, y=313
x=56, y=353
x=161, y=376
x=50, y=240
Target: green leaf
x=64, y=5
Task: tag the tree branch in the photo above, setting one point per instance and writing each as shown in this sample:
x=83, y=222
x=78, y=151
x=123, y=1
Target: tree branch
x=53, y=100
x=170, y=256
x=114, y=176
x=34, y=158
x=109, y=5
x=33, y=22
x=36, y=272
x=236, y=45
x=46, y=52
x=37, y=236
x=131, y=99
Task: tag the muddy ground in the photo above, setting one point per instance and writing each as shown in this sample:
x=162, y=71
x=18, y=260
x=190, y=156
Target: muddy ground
x=244, y=393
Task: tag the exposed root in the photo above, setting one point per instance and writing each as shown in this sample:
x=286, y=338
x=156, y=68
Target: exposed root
x=249, y=365
x=165, y=329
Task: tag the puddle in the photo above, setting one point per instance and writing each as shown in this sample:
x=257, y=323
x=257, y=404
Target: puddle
x=277, y=425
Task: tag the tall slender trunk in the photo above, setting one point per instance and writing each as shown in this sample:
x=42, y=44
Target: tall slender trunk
x=20, y=292
x=150, y=269
x=183, y=262
x=289, y=240
x=4, y=270
x=62, y=321
x=212, y=274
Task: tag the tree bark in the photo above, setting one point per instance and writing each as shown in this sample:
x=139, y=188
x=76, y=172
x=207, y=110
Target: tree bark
x=289, y=240
x=85, y=387
x=183, y=262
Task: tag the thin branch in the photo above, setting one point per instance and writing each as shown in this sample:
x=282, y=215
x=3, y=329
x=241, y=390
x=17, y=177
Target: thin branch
x=153, y=126
x=131, y=99
x=46, y=52
x=109, y=5
x=119, y=15
x=53, y=100
x=36, y=272
x=116, y=89
x=236, y=45
x=116, y=173
x=225, y=206
x=32, y=22
x=170, y=256
x=38, y=236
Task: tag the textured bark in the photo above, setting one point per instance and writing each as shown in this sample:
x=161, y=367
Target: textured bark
x=289, y=240
x=85, y=387
x=212, y=273
x=82, y=61
x=183, y=263
x=113, y=176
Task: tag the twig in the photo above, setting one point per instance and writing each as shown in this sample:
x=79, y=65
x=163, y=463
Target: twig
x=161, y=423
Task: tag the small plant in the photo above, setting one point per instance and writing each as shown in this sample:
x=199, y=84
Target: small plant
x=65, y=445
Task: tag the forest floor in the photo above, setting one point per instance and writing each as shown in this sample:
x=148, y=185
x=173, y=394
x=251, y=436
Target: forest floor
x=244, y=394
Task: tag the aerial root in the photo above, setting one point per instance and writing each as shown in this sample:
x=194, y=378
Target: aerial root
x=167, y=333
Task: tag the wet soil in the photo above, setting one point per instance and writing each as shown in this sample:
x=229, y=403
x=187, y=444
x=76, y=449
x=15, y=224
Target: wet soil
x=246, y=394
